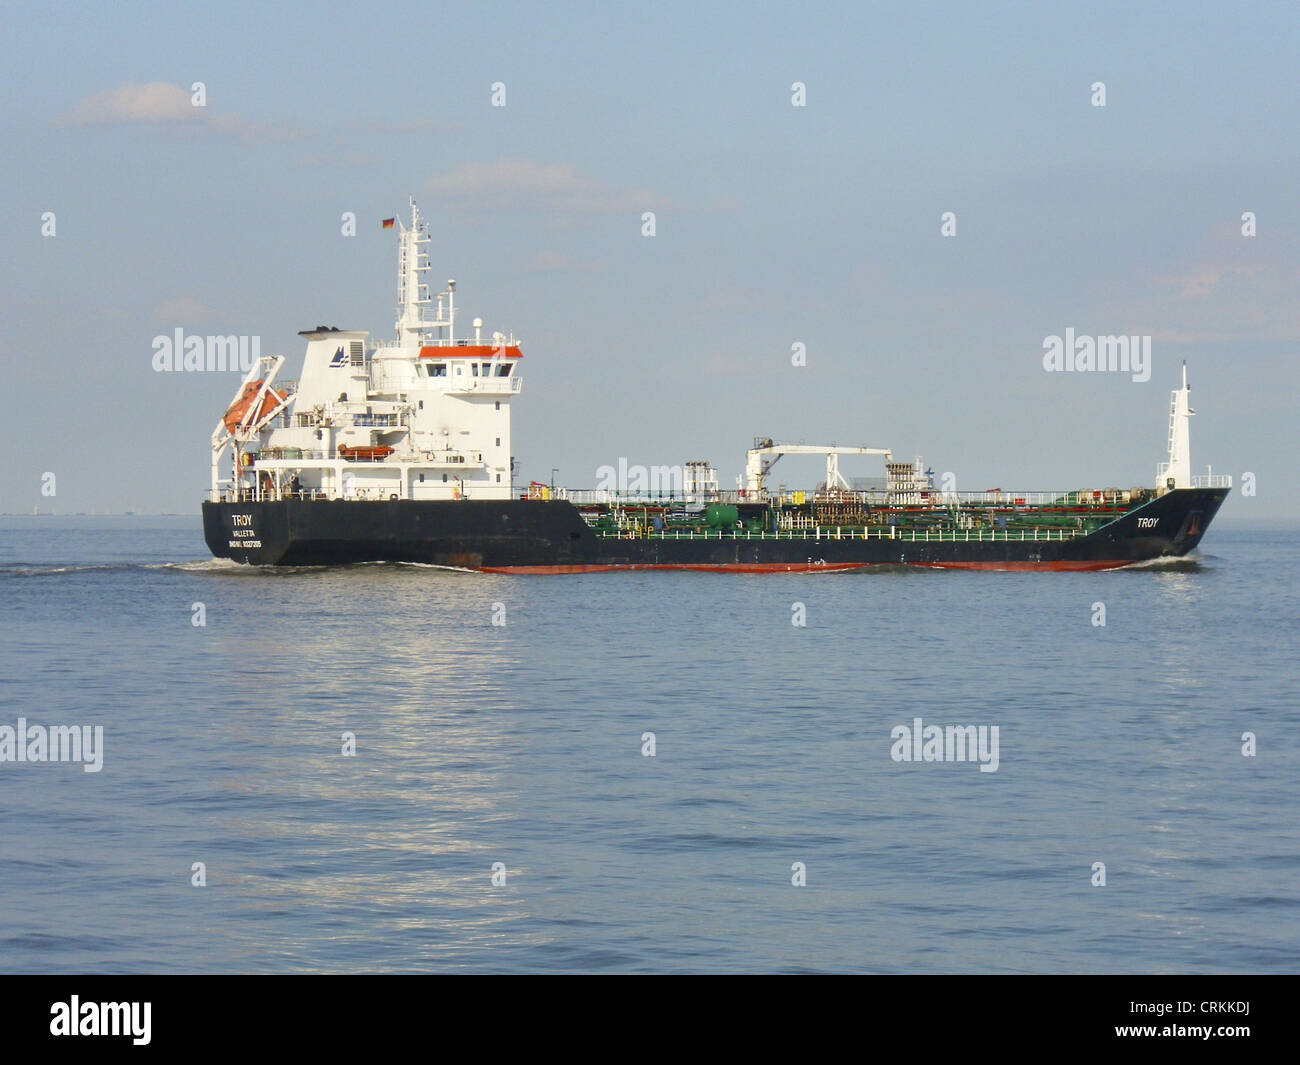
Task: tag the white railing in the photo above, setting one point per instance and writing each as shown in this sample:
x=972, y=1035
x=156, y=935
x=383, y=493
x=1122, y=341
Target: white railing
x=379, y=421
x=489, y=385
x=276, y=458
x=1204, y=480
x=1108, y=497
x=467, y=342
x=834, y=533
x=589, y=496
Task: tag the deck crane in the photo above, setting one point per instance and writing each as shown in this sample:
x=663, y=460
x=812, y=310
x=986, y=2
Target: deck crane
x=765, y=454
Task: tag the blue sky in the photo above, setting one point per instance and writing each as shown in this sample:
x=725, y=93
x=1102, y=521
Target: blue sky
x=775, y=225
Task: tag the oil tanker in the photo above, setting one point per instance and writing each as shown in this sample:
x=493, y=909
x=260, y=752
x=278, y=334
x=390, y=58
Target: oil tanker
x=401, y=452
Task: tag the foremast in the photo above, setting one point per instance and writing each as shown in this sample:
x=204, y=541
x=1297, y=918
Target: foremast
x=1176, y=472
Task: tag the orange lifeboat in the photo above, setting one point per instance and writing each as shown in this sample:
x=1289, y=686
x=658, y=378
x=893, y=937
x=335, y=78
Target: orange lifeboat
x=239, y=409
x=365, y=454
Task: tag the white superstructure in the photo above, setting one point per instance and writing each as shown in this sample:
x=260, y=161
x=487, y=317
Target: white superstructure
x=426, y=416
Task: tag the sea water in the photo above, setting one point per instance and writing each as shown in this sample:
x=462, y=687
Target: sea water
x=403, y=768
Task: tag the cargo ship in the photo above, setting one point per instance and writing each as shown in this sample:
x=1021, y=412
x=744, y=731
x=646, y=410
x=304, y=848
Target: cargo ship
x=401, y=452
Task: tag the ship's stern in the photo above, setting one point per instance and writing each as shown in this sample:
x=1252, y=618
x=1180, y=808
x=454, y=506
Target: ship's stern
x=253, y=533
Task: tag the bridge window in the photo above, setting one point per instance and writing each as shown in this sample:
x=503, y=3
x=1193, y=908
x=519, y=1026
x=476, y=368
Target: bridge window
x=437, y=369
x=503, y=370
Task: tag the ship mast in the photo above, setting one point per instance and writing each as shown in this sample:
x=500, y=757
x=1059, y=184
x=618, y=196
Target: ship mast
x=412, y=293
x=1177, y=472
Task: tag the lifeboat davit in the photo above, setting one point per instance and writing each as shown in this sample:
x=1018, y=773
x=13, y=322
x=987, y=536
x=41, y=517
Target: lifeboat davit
x=365, y=454
x=238, y=410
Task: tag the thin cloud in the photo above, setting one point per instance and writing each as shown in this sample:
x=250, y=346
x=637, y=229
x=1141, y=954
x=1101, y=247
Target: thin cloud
x=416, y=125
x=184, y=309
x=1236, y=289
x=158, y=101
x=165, y=107
x=521, y=184
x=734, y=298
x=248, y=129
x=558, y=262
x=339, y=159
x=1206, y=279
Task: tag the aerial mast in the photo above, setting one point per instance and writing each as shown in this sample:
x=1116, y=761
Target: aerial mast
x=412, y=293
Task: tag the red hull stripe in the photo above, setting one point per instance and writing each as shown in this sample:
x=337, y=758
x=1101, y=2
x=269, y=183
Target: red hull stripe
x=1055, y=567
x=721, y=567
x=801, y=567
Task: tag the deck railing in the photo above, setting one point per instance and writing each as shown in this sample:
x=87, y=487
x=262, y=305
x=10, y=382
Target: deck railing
x=1108, y=497
x=278, y=456
x=468, y=342
x=837, y=533
x=487, y=385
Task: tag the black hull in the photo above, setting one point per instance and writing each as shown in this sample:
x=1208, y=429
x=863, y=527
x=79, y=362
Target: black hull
x=534, y=536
